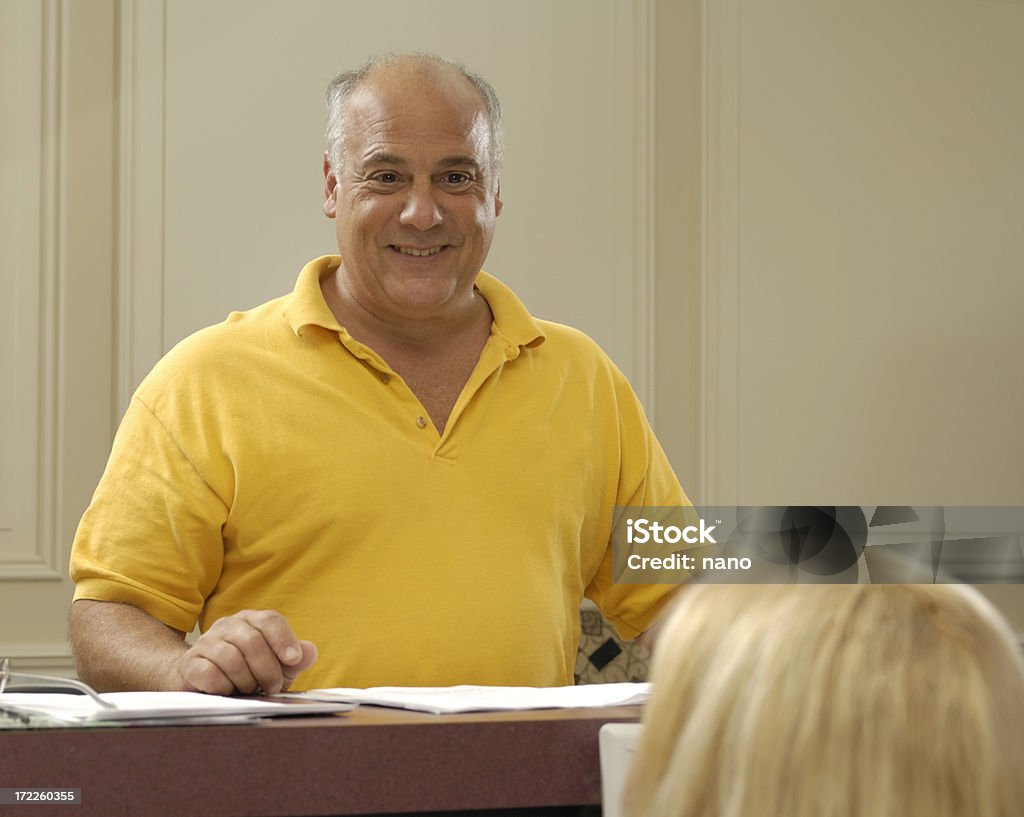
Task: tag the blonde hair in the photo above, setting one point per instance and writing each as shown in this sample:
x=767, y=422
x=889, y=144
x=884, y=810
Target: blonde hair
x=832, y=701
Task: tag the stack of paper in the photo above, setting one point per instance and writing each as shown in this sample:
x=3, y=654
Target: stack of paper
x=126, y=708
x=39, y=708
x=444, y=700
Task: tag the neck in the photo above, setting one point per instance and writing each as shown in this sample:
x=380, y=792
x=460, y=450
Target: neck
x=468, y=316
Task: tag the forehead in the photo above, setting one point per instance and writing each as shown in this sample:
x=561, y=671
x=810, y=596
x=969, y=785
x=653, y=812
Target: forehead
x=419, y=113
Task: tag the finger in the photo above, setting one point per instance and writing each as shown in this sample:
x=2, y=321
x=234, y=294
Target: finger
x=252, y=648
x=199, y=674
x=232, y=661
x=277, y=633
x=309, y=656
x=269, y=645
x=261, y=661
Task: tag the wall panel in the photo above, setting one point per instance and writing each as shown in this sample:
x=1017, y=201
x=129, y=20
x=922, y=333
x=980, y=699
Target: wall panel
x=30, y=50
x=862, y=287
x=230, y=204
x=863, y=255
x=56, y=236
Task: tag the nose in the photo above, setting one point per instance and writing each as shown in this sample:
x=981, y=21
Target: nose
x=420, y=209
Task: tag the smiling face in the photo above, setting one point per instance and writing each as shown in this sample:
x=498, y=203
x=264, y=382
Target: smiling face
x=415, y=200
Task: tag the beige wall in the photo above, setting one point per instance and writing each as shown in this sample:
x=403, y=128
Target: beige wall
x=863, y=254
x=678, y=241
x=792, y=224
x=866, y=251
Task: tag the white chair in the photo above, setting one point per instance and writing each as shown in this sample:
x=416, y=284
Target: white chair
x=616, y=744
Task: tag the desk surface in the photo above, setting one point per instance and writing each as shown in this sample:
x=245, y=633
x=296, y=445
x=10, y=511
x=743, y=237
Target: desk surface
x=370, y=760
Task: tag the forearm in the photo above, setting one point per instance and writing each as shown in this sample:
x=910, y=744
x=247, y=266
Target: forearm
x=120, y=647
x=649, y=637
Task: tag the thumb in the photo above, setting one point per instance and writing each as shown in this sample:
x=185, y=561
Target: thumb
x=309, y=656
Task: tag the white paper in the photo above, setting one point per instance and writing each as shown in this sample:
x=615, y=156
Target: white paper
x=170, y=706
x=445, y=700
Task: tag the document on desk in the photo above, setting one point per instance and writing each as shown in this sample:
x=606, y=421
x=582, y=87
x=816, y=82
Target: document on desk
x=127, y=708
x=454, y=699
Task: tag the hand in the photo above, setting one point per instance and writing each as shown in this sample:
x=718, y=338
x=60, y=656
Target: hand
x=250, y=651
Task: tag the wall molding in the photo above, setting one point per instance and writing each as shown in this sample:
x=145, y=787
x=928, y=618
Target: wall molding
x=720, y=263
x=33, y=554
x=644, y=277
x=634, y=317
x=140, y=194
x=41, y=659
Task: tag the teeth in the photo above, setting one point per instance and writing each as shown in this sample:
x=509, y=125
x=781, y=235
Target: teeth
x=419, y=253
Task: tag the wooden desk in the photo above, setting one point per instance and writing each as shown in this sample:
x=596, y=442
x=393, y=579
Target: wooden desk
x=368, y=761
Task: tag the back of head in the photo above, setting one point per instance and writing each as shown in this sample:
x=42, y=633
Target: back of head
x=832, y=701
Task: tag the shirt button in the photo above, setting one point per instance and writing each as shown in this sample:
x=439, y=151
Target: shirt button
x=421, y=422
x=385, y=378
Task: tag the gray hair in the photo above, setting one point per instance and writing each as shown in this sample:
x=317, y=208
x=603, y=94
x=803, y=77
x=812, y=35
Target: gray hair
x=342, y=86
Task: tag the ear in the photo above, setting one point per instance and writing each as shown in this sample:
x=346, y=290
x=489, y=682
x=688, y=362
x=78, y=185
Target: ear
x=498, y=204
x=330, y=186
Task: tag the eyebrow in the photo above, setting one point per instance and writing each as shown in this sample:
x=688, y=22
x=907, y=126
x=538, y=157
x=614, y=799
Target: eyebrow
x=384, y=158
x=459, y=161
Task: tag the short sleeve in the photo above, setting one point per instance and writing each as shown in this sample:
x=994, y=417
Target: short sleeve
x=646, y=480
x=152, y=535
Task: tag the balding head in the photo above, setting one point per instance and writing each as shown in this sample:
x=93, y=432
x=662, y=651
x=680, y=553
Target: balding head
x=409, y=72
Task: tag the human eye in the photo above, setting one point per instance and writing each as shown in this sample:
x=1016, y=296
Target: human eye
x=457, y=180
x=385, y=177
x=382, y=181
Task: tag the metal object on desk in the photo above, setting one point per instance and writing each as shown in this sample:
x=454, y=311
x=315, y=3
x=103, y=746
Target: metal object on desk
x=18, y=680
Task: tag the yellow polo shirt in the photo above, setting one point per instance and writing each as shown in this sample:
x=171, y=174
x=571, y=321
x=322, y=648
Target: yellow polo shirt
x=273, y=462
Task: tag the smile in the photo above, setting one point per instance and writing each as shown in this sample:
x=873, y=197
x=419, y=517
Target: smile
x=419, y=253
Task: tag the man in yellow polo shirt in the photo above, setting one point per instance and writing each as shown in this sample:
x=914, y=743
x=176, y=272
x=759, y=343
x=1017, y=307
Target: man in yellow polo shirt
x=392, y=475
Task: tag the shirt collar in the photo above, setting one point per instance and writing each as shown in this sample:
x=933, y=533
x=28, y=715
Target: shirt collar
x=511, y=318
x=305, y=306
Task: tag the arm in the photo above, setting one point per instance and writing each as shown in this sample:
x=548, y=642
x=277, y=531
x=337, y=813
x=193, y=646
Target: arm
x=649, y=637
x=118, y=647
